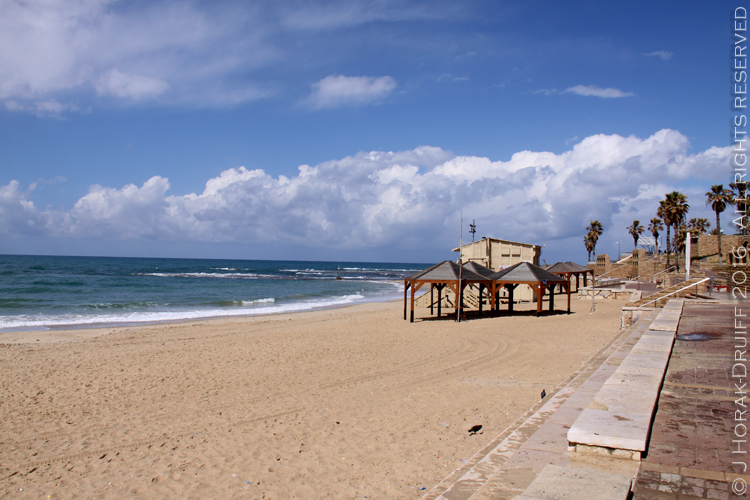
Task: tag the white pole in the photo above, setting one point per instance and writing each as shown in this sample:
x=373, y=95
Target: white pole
x=687, y=257
x=459, y=294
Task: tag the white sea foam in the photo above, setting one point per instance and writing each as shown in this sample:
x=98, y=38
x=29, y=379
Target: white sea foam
x=211, y=275
x=41, y=321
x=269, y=300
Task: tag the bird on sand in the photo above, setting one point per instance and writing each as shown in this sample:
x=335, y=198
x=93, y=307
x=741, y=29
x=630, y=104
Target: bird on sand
x=475, y=429
x=544, y=393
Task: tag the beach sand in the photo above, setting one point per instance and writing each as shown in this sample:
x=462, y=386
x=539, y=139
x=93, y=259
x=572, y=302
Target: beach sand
x=346, y=403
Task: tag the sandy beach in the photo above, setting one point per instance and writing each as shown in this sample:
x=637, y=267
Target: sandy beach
x=346, y=403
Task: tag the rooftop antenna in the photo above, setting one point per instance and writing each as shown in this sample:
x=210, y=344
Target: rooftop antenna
x=473, y=229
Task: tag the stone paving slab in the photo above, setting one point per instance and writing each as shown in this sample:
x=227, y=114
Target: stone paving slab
x=690, y=454
x=563, y=483
x=611, y=429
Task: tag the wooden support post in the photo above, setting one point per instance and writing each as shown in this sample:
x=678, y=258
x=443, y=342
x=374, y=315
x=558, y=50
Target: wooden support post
x=540, y=296
x=568, y=287
x=552, y=298
x=432, y=302
x=440, y=298
x=481, y=286
x=406, y=287
x=459, y=300
x=511, y=289
x=412, y=304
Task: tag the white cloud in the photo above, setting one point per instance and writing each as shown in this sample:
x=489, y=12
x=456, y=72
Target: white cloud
x=662, y=54
x=46, y=108
x=400, y=200
x=130, y=86
x=593, y=90
x=180, y=52
x=333, y=91
x=205, y=54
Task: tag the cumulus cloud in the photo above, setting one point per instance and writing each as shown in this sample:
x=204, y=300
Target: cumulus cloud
x=407, y=199
x=593, y=90
x=664, y=55
x=333, y=91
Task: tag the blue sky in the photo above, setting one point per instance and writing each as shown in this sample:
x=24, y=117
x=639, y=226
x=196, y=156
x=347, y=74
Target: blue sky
x=354, y=130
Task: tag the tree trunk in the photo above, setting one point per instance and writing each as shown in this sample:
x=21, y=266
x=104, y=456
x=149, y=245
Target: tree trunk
x=718, y=232
x=676, y=253
x=667, y=247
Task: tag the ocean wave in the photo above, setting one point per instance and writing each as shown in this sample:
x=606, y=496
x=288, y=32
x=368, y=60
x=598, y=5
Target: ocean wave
x=80, y=320
x=211, y=275
x=269, y=300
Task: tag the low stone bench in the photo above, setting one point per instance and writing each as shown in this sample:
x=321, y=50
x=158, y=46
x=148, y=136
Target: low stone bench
x=618, y=421
x=558, y=483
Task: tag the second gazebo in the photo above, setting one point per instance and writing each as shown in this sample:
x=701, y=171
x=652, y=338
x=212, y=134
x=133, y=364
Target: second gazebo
x=525, y=273
x=569, y=269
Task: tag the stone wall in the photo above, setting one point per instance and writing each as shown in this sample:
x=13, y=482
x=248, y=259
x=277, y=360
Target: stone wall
x=708, y=244
x=603, y=264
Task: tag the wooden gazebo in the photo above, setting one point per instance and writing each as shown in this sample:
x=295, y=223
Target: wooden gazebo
x=446, y=273
x=569, y=269
x=538, y=279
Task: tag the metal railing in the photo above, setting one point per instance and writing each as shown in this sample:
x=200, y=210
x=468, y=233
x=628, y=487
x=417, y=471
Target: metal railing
x=676, y=291
x=660, y=272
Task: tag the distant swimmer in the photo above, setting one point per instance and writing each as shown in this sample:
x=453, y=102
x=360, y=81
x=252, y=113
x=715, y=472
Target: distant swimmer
x=544, y=393
x=475, y=429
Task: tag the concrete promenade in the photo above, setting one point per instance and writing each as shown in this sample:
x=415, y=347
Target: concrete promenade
x=690, y=451
x=689, y=454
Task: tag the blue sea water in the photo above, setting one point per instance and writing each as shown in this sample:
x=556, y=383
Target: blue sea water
x=40, y=292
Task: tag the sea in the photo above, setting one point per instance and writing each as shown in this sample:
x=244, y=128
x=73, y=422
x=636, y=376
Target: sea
x=44, y=292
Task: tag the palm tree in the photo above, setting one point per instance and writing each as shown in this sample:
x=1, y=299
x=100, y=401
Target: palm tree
x=698, y=226
x=655, y=227
x=681, y=208
x=636, y=230
x=680, y=238
x=595, y=230
x=672, y=210
x=719, y=198
x=666, y=216
x=588, y=240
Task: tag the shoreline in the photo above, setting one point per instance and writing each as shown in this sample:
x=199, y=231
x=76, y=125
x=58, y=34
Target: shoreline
x=10, y=331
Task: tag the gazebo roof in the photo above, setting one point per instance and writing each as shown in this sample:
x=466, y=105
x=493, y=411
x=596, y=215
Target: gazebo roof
x=479, y=269
x=524, y=272
x=445, y=271
x=567, y=267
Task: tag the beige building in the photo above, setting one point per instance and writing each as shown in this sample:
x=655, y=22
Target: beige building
x=498, y=254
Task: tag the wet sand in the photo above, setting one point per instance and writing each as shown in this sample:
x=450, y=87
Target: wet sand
x=346, y=403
